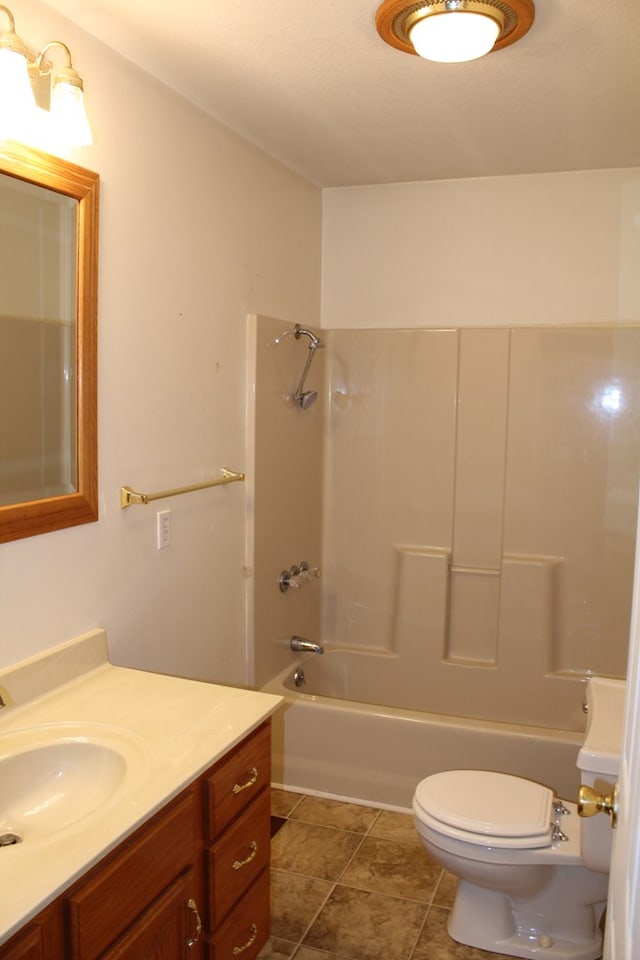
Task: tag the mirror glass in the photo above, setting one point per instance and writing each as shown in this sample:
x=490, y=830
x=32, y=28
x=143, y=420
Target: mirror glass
x=38, y=230
x=48, y=270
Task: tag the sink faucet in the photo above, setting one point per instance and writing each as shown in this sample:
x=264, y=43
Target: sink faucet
x=300, y=644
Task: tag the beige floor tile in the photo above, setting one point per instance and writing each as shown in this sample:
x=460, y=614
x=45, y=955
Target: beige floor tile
x=295, y=901
x=307, y=953
x=436, y=944
x=335, y=813
x=283, y=802
x=396, y=826
x=447, y=889
x=312, y=850
x=394, y=869
x=366, y=926
x=277, y=950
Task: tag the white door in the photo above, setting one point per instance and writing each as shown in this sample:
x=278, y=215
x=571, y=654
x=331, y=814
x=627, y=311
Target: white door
x=622, y=938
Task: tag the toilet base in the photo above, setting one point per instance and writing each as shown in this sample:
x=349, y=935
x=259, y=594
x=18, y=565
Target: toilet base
x=485, y=919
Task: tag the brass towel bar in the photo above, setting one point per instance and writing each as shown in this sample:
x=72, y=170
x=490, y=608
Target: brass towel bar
x=129, y=497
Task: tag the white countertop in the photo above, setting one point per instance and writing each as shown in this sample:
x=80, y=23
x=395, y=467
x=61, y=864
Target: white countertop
x=168, y=729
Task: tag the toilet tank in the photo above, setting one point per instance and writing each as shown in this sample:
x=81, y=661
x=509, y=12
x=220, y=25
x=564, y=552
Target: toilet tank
x=599, y=763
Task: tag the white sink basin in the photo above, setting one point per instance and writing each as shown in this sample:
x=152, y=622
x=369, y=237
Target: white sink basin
x=53, y=777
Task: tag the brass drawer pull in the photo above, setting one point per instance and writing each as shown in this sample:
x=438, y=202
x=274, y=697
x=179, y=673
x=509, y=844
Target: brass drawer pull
x=193, y=906
x=253, y=849
x=252, y=939
x=253, y=776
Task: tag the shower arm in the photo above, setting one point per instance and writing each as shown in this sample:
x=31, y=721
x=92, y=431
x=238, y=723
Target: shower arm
x=297, y=395
x=299, y=331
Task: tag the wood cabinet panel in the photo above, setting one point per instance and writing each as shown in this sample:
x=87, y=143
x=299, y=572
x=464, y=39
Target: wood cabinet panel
x=236, y=780
x=41, y=939
x=238, y=857
x=164, y=930
x=102, y=907
x=29, y=946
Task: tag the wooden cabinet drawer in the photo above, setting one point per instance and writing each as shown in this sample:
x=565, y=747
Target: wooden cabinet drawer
x=246, y=929
x=238, y=857
x=237, y=780
x=118, y=890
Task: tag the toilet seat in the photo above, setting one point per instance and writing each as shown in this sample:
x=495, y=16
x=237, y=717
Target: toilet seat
x=490, y=809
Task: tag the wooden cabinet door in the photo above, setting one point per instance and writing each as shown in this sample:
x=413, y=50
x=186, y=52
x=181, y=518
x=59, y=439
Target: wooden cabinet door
x=41, y=939
x=168, y=930
x=106, y=903
x=29, y=947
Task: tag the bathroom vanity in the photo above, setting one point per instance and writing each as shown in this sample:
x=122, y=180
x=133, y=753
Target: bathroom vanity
x=152, y=871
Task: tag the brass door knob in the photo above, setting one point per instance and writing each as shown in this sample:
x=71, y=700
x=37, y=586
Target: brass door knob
x=591, y=802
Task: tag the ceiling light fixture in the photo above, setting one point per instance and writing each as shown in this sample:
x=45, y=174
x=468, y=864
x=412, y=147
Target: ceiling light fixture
x=38, y=100
x=453, y=31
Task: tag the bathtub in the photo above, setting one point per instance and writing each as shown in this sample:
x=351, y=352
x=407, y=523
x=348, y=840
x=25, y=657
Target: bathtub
x=364, y=753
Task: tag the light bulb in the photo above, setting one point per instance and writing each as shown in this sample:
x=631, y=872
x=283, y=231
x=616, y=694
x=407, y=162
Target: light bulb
x=16, y=96
x=454, y=36
x=68, y=114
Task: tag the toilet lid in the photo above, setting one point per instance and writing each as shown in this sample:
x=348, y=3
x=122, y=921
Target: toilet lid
x=494, y=805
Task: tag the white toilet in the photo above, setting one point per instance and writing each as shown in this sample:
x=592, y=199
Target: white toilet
x=533, y=875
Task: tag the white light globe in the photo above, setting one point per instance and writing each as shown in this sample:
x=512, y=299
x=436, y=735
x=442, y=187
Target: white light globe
x=16, y=96
x=454, y=37
x=68, y=115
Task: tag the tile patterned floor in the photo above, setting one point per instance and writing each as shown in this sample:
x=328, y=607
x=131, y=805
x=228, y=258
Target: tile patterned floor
x=354, y=883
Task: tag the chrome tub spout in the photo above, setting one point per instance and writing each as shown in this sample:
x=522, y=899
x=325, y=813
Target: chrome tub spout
x=299, y=644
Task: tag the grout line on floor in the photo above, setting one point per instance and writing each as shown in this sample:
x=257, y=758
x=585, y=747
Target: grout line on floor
x=315, y=917
x=427, y=905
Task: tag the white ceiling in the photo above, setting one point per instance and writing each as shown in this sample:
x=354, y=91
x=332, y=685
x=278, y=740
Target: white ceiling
x=311, y=83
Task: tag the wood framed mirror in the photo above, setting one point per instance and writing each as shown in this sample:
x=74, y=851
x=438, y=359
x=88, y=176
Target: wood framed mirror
x=48, y=343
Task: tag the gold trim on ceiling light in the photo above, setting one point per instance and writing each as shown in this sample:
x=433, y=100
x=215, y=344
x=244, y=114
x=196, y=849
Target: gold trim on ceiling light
x=395, y=18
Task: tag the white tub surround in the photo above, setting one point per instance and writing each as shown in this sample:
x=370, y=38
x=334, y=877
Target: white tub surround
x=479, y=561
x=167, y=730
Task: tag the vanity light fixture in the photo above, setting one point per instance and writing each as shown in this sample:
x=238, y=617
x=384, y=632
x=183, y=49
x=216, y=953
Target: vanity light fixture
x=68, y=115
x=453, y=31
x=35, y=95
x=16, y=95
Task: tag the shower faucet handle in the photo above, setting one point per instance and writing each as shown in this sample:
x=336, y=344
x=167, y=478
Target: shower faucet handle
x=297, y=575
x=289, y=578
x=308, y=573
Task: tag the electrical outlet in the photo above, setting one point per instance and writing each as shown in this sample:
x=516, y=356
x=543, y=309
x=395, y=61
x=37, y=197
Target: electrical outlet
x=163, y=529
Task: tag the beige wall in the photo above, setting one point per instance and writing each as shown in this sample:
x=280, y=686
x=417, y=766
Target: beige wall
x=499, y=251
x=198, y=228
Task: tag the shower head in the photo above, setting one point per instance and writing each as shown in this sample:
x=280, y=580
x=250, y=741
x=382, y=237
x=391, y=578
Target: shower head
x=305, y=399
